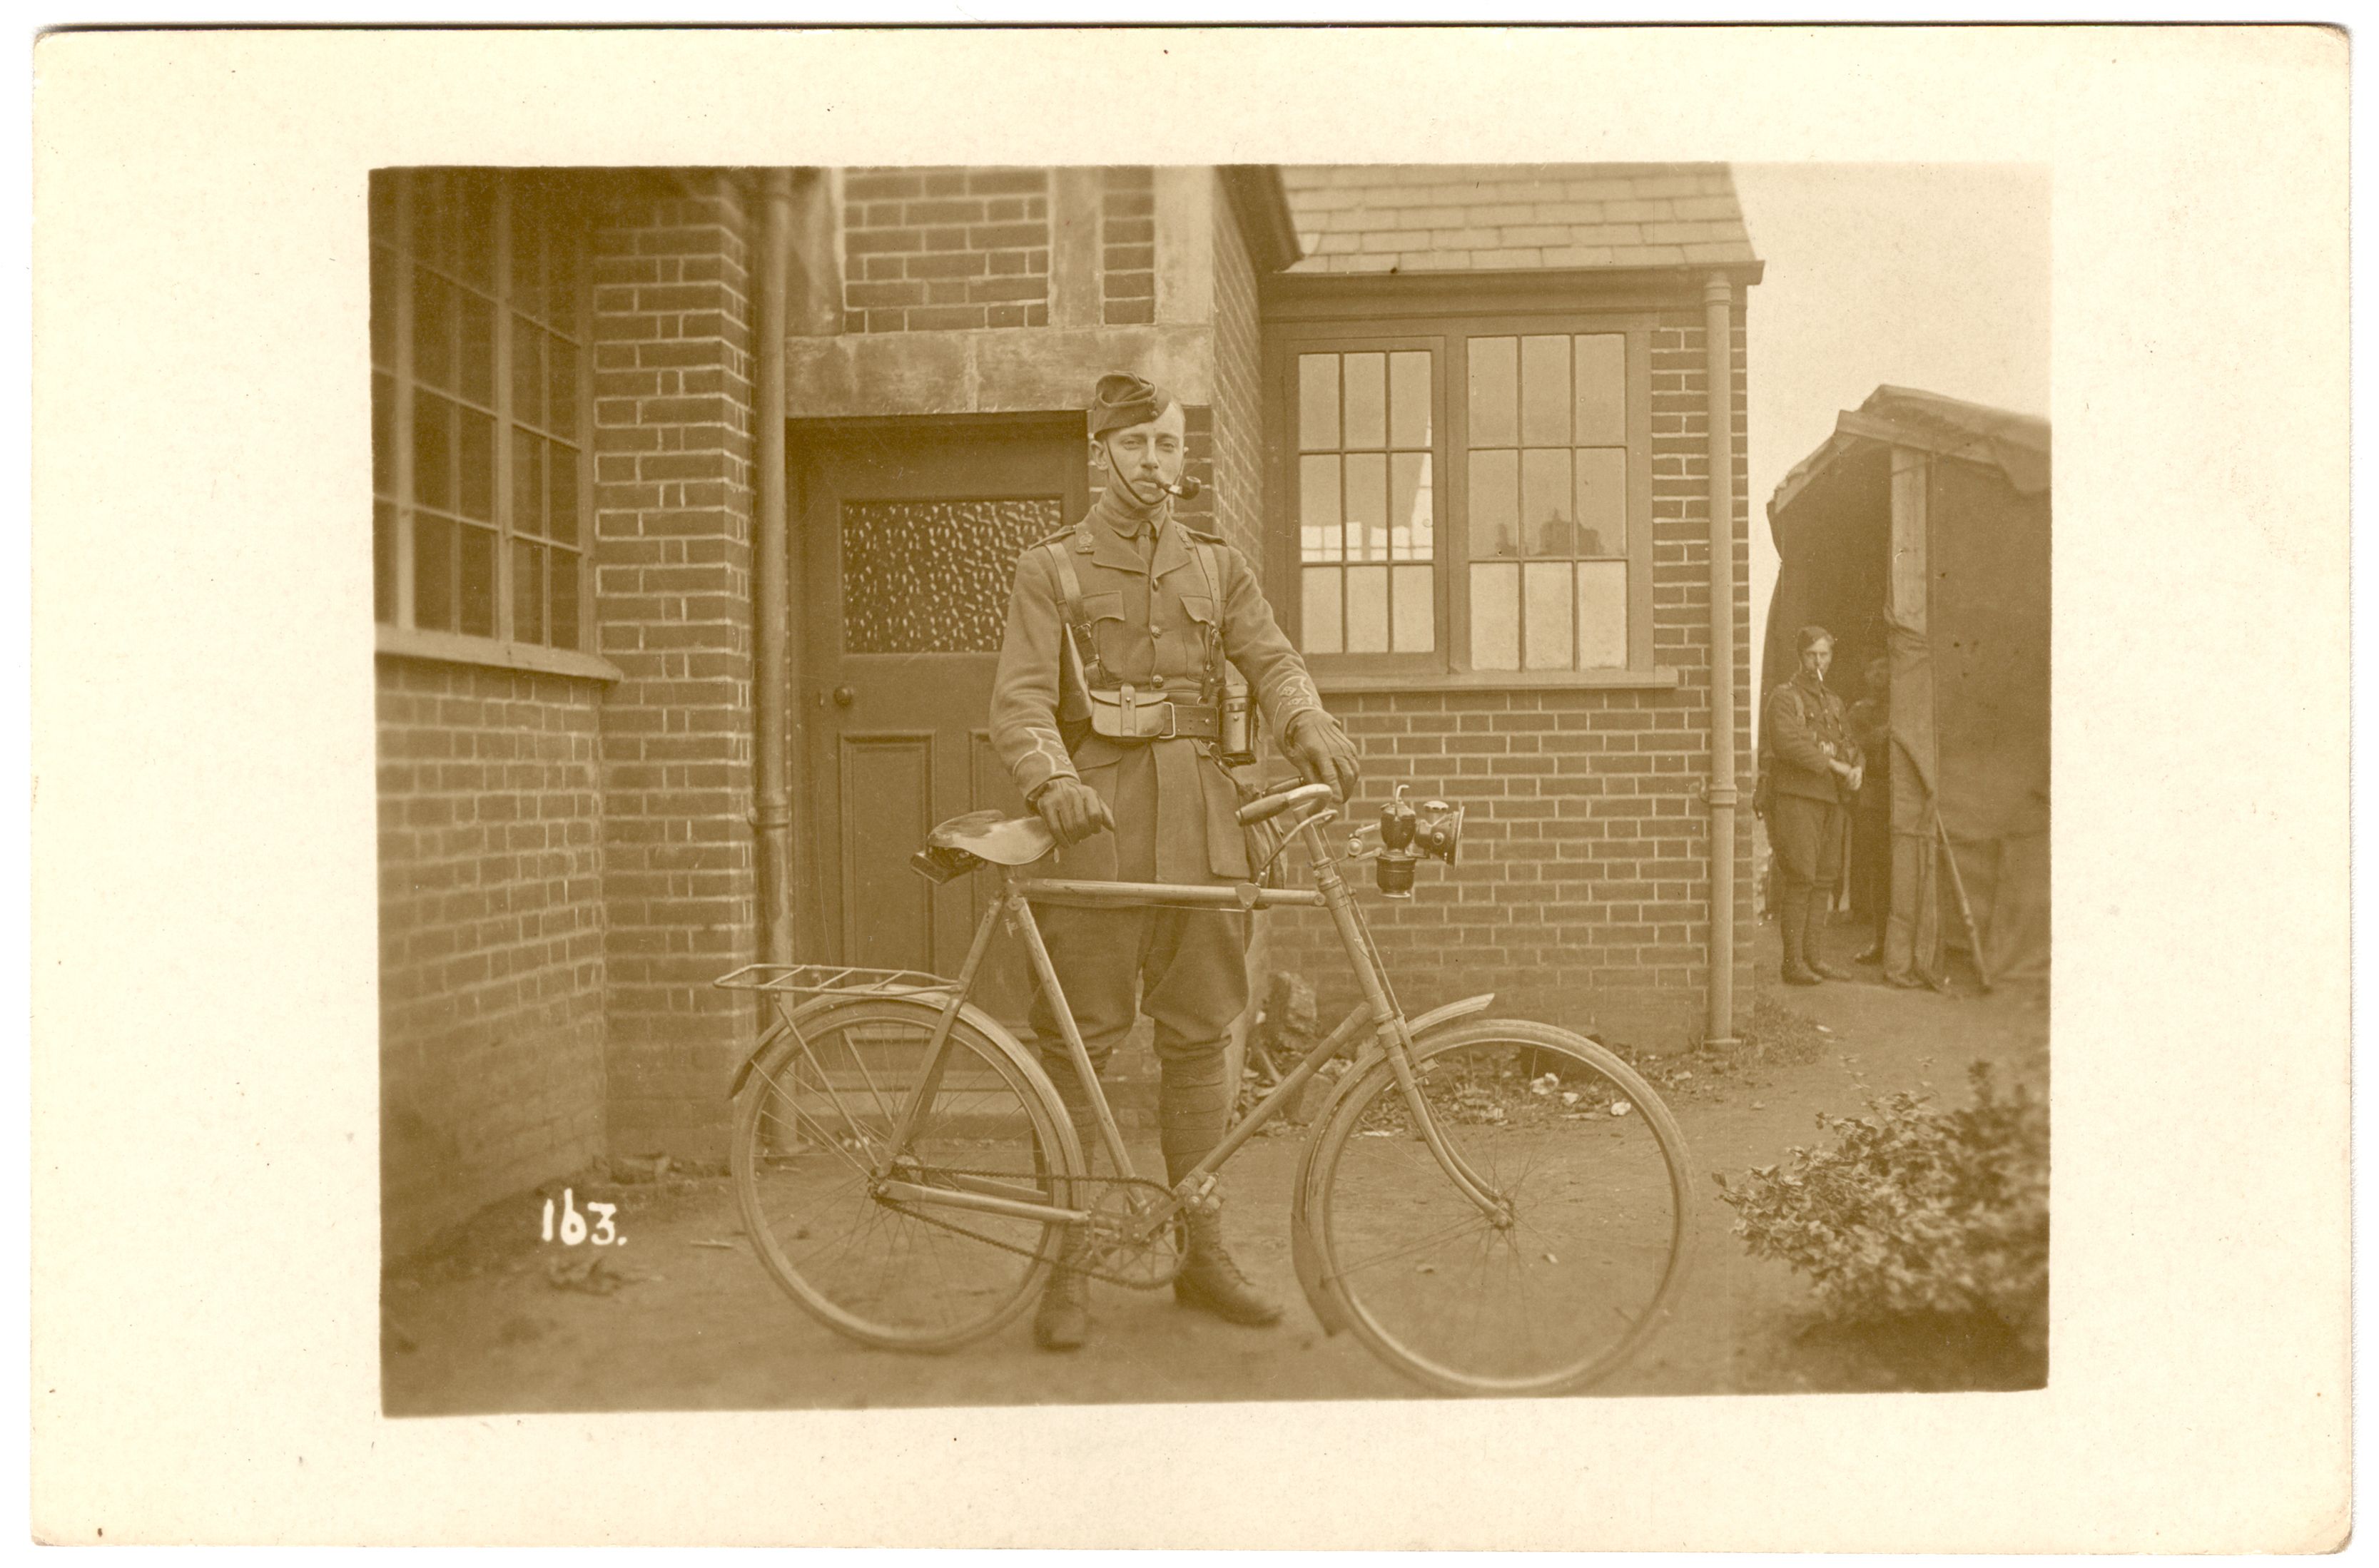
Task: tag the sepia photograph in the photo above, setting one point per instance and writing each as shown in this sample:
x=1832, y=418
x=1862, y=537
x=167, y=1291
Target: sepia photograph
x=1110, y=783
x=907, y=778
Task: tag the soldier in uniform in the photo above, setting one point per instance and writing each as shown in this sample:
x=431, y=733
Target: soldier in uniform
x=1124, y=772
x=1814, y=772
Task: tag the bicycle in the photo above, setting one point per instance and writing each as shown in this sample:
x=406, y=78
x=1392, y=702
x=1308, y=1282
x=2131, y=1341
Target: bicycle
x=1492, y=1206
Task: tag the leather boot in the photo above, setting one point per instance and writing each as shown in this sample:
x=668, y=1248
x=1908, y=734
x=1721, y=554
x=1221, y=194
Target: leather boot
x=1210, y=1279
x=1813, y=936
x=1064, y=1320
x=1791, y=920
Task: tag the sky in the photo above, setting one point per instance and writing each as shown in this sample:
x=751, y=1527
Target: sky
x=1931, y=276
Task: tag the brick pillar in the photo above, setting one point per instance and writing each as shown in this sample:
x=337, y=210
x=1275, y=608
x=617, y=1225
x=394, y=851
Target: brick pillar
x=674, y=445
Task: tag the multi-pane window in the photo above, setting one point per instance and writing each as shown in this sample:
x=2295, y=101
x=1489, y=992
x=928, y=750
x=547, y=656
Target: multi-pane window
x=1367, y=502
x=1472, y=493
x=1547, y=449
x=480, y=363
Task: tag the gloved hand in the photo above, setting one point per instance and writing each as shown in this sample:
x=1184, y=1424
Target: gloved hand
x=1072, y=809
x=1323, y=753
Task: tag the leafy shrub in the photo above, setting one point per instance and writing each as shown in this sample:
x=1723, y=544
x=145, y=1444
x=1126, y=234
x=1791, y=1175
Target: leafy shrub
x=1915, y=1208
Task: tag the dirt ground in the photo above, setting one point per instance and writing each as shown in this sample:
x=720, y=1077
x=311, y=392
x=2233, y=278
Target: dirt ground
x=693, y=1322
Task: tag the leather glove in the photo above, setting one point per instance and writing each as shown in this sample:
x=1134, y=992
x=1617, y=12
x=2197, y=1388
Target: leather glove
x=1323, y=753
x=1072, y=809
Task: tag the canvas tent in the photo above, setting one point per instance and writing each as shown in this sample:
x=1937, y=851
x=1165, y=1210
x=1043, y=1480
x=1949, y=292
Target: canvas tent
x=1920, y=531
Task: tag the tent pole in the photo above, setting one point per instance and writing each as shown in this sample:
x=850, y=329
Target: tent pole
x=1718, y=340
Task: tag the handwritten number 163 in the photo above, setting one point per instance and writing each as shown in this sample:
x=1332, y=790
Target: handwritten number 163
x=573, y=1229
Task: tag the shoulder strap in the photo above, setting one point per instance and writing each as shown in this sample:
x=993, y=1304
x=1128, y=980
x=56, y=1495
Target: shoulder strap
x=1077, y=630
x=1069, y=586
x=1210, y=562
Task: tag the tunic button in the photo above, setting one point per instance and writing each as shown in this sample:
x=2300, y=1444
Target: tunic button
x=1158, y=682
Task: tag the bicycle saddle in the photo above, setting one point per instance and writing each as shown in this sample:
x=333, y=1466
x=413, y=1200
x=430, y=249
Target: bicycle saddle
x=989, y=836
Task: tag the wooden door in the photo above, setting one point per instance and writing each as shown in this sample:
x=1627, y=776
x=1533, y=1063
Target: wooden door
x=911, y=539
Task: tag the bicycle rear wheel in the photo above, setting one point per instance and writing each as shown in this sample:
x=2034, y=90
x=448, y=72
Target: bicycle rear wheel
x=814, y=1149
x=1591, y=1245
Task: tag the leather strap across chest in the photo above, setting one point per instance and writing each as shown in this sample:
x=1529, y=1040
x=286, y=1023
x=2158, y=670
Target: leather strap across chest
x=1078, y=623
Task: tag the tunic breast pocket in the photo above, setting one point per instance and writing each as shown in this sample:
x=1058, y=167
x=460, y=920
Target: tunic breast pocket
x=1104, y=612
x=1185, y=643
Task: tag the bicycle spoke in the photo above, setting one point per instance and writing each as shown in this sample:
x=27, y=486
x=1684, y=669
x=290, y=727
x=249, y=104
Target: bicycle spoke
x=921, y=1273
x=1517, y=1301
x=823, y=1137
x=859, y=1060
x=1431, y=1239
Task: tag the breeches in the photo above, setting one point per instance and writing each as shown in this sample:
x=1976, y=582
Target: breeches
x=1187, y=970
x=1807, y=837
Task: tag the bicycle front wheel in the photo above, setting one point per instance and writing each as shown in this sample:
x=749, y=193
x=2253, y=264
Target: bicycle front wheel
x=831, y=1198
x=1579, y=1255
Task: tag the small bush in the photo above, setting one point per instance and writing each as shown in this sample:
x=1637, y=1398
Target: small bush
x=1915, y=1210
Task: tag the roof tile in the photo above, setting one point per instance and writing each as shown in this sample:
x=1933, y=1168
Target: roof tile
x=1446, y=217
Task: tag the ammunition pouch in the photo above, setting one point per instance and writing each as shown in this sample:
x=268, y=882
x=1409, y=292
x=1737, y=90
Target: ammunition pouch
x=1129, y=714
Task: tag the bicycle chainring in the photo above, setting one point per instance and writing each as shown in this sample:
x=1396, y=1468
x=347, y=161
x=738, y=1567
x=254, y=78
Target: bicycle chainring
x=1139, y=1236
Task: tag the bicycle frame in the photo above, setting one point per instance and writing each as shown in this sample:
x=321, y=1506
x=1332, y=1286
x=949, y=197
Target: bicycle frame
x=1391, y=1032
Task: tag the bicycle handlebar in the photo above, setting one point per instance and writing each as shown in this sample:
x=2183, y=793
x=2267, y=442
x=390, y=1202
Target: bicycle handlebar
x=1273, y=805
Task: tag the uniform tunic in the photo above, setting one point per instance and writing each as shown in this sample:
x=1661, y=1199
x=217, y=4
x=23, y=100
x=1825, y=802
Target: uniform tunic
x=1151, y=602
x=1174, y=806
x=1806, y=729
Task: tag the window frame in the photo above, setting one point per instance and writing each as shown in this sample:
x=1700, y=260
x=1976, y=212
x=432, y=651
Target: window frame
x=402, y=635
x=1448, y=333
x=1334, y=338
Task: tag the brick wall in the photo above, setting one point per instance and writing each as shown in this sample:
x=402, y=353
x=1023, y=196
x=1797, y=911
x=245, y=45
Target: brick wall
x=1239, y=381
x=933, y=249
x=1583, y=898
x=673, y=443
x=1127, y=248
x=490, y=932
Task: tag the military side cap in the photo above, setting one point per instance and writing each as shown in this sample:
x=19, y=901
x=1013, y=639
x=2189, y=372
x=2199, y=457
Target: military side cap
x=1120, y=401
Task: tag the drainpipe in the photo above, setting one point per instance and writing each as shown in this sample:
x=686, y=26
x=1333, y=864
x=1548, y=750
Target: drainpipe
x=772, y=811
x=1717, y=336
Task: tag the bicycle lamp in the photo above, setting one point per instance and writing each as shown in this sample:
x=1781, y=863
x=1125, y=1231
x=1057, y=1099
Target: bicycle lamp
x=1410, y=833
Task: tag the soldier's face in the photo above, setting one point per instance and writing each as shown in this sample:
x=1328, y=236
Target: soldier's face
x=1817, y=658
x=1146, y=456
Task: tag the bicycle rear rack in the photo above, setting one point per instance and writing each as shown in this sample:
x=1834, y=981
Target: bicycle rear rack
x=813, y=980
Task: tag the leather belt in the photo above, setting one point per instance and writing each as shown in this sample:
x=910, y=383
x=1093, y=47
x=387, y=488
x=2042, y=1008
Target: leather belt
x=1126, y=715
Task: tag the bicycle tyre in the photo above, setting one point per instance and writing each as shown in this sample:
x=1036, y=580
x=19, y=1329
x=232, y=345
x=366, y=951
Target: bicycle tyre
x=812, y=1139
x=1601, y=1212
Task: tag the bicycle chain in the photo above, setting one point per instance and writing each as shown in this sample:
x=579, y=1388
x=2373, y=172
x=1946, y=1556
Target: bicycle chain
x=1094, y=1273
